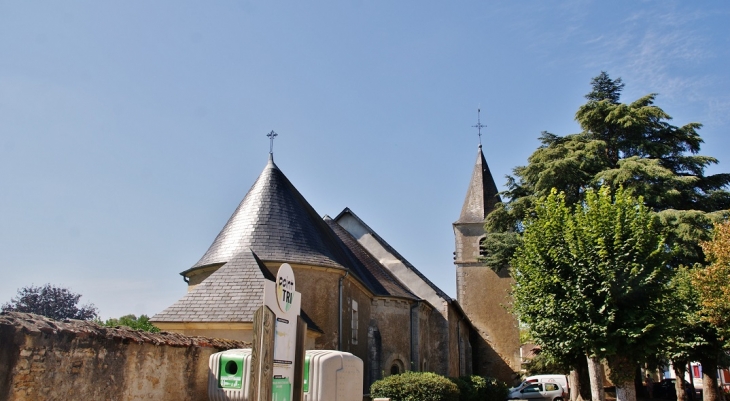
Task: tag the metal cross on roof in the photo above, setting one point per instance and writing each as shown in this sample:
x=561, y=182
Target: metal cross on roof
x=271, y=136
x=479, y=125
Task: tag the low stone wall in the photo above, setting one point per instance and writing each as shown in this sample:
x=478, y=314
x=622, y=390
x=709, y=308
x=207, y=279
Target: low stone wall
x=44, y=359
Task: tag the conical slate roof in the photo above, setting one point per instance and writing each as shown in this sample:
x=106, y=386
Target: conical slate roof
x=482, y=195
x=231, y=294
x=275, y=221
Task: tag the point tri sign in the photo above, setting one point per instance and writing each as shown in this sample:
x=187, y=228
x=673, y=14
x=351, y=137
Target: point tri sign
x=282, y=299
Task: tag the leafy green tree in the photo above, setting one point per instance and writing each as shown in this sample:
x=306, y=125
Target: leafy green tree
x=688, y=335
x=54, y=302
x=629, y=145
x=133, y=322
x=591, y=277
x=698, y=325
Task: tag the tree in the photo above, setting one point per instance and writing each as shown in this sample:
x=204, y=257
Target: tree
x=712, y=282
x=133, y=322
x=688, y=334
x=589, y=278
x=630, y=145
x=605, y=88
x=54, y=302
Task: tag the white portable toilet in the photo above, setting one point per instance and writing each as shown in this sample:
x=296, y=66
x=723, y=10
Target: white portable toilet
x=332, y=376
x=229, y=375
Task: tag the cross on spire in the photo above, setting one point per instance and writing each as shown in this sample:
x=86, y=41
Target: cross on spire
x=479, y=125
x=271, y=136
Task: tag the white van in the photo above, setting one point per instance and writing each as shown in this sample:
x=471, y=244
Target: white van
x=562, y=380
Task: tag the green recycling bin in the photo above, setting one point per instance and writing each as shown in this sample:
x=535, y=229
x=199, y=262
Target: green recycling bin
x=229, y=373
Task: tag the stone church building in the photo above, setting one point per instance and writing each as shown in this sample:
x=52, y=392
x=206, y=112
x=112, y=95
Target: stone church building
x=358, y=293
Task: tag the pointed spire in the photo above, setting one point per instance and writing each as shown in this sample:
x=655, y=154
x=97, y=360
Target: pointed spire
x=482, y=195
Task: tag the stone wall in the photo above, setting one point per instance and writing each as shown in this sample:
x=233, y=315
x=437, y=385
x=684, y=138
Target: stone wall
x=44, y=359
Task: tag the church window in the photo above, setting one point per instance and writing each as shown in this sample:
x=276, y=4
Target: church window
x=355, y=322
x=482, y=251
x=397, y=367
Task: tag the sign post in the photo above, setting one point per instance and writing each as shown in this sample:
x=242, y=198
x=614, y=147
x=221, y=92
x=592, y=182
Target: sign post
x=284, y=304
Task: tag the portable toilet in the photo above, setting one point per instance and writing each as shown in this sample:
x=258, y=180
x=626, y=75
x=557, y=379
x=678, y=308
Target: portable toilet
x=229, y=375
x=332, y=376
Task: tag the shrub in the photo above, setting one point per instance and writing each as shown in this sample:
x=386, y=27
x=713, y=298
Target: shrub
x=415, y=386
x=477, y=388
x=133, y=322
x=494, y=390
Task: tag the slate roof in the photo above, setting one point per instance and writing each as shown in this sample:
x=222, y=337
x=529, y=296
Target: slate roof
x=395, y=253
x=275, y=221
x=231, y=294
x=482, y=195
x=367, y=268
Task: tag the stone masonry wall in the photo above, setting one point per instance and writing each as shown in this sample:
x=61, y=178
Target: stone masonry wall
x=44, y=359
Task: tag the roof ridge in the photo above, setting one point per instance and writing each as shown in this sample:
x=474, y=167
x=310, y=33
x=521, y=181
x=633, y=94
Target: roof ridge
x=395, y=253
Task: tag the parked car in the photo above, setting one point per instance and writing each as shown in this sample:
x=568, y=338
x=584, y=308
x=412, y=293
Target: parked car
x=562, y=380
x=666, y=389
x=537, y=391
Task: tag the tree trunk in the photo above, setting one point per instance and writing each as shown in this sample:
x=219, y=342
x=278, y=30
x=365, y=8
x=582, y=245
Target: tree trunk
x=580, y=382
x=595, y=372
x=574, y=380
x=679, y=386
x=639, y=383
x=626, y=391
x=709, y=380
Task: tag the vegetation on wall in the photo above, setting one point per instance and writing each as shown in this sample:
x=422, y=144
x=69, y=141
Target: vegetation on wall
x=133, y=322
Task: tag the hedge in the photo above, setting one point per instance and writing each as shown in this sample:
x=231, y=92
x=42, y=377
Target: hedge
x=427, y=386
x=415, y=386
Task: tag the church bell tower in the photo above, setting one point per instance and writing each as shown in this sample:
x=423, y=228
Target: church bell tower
x=482, y=293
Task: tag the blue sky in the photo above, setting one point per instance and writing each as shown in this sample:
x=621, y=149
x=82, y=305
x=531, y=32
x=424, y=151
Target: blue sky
x=130, y=131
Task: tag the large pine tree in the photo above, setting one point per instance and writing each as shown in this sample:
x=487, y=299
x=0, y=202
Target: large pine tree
x=629, y=145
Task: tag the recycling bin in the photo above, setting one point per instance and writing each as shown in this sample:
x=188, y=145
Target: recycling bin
x=332, y=376
x=328, y=376
x=229, y=375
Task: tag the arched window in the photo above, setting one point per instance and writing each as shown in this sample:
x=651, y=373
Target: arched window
x=397, y=367
x=482, y=252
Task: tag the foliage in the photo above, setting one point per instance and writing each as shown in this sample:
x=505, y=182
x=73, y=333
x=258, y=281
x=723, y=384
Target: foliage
x=629, y=145
x=544, y=363
x=604, y=88
x=133, y=322
x=415, y=386
x=478, y=388
x=689, y=336
x=50, y=301
x=588, y=278
x=712, y=282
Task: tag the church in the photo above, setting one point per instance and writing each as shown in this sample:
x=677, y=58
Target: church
x=359, y=294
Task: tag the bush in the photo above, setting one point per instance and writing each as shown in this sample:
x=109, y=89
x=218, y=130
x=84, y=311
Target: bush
x=495, y=390
x=415, y=386
x=133, y=322
x=477, y=388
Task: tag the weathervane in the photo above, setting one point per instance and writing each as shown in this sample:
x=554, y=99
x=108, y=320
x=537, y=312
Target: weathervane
x=479, y=125
x=271, y=136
